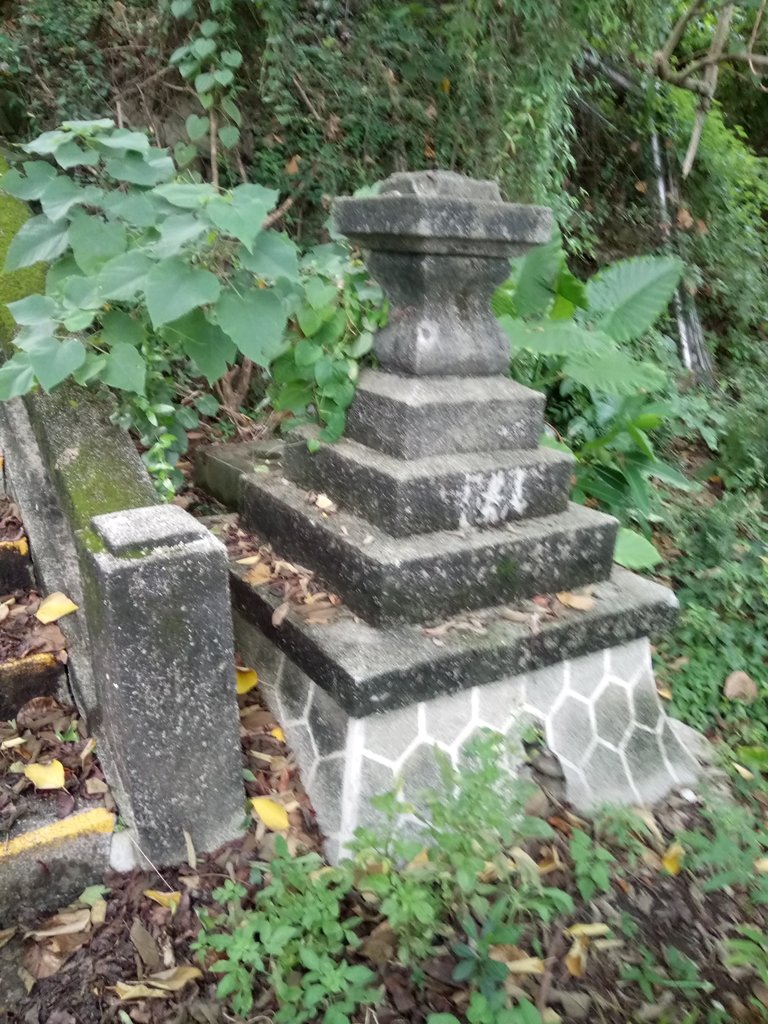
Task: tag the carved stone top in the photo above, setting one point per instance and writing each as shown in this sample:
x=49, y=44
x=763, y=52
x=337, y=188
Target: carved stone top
x=442, y=212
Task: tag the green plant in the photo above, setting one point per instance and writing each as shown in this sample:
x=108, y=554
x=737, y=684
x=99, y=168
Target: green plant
x=725, y=853
x=570, y=340
x=294, y=935
x=750, y=950
x=156, y=282
x=624, y=829
x=591, y=865
x=679, y=973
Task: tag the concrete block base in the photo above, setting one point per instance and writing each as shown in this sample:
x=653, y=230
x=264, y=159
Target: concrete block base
x=599, y=714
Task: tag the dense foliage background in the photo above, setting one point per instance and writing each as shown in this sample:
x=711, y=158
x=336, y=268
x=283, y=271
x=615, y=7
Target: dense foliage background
x=561, y=101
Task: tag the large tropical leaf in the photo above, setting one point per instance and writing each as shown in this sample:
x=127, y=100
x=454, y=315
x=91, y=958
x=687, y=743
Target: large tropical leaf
x=535, y=286
x=632, y=294
x=613, y=372
x=555, y=338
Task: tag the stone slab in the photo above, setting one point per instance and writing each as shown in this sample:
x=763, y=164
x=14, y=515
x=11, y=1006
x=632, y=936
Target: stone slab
x=163, y=653
x=609, y=750
x=443, y=492
x=413, y=418
x=418, y=578
x=365, y=669
x=49, y=861
x=220, y=467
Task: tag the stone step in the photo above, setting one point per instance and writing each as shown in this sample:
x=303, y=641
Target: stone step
x=46, y=861
x=442, y=492
x=415, y=579
x=412, y=417
x=35, y=675
x=366, y=669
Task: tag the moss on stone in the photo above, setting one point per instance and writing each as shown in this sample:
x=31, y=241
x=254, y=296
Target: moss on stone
x=18, y=283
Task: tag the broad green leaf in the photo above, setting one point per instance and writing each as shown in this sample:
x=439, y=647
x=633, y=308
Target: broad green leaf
x=117, y=327
x=16, y=377
x=233, y=59
x=535, y=285
x=184, y=154
x=319, y=293
x=123, y=277
x=136, y=209
x=229, y=106
x=123, y=138
x=273, y=255
x=613, y=372
x=182, y=8
x=125, y=368
x=35, y=309
x=204, y=343
x=670, y=475
x=92, y=126
x=362, y=345
x=633, y=551
x=73, y=155
x=187, y=196
x=95, y=241
x=209, y=28
x=38, y=239
x=38, y=175
x=53, y=360
x=224, y=77
x=255, y=321
x=555, y=338
x=632, y=294
x=242, y=212
x=174, y=288
x=59, y=273
x=146, y=169
x=92, y=368
x=31, y=334
x=203, y=48
x=61, y=194
x=197, y=127
x=229, y=135
x=309, y=320
x=177, y=232
x=47, y=143
x=205, y=82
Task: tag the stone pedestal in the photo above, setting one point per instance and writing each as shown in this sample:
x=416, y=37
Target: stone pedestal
x=446, y=505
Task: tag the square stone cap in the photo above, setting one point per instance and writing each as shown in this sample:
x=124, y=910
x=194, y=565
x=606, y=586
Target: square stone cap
x=156, y=526
x=442, y=212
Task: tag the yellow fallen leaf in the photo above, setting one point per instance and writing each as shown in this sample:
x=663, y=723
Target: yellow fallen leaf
x=46, y=776
x=419, y=861
x=258, y=575
x=761, y=866
x=745, y=773
x=249, y=560
x=247, y=678
x=581, y=602
x=592, y=931
x=278, y=733
x=672, y=860
x=165, y=899
x=576, y=960
x=65, y=923
x=99, y=912
x=174, y=978
x=6, y=934
x=15, y=742
x=273, y=814
x=126, y=992
x=55, y=607
x=664, y=693
x=525, y=965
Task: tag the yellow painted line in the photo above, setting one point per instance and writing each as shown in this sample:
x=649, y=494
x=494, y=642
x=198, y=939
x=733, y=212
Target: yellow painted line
x=95, y=822
x=21, y=545
x=28, y=664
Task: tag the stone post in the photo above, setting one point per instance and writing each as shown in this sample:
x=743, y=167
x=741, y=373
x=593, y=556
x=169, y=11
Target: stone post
x=447, y=506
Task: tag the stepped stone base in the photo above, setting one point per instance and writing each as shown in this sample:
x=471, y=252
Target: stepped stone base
x=599, y=713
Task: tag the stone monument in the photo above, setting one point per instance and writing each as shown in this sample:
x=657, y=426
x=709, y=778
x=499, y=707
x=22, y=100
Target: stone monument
x=447, y=506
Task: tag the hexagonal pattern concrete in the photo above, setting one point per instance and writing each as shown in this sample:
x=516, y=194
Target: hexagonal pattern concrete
x=600, y=715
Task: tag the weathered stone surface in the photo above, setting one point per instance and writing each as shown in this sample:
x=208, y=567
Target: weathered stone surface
x=419, y=578
x=220, y=467
x=412, y=418
x=439, y=245
x=163, y=655
x=366, y=669
x=46, y=861
x=444, y=492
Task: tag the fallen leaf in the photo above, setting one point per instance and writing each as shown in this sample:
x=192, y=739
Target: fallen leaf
x=581, y=602
x=664, y=693
x=271, y=813
x=174, y=978
x=6, y=934
x=95, y=787
x=55, y=607
x=672, y=860
x=292, y=167
x=641, y=187
x=64, y=923
x=745, y=773
x=46, y=776
x=128, y=991
x=169, y=900
x=93, y=894
x=258, y=575
x=592, y=931
x=191, y=854
x=740, y=686
x=761, y=867
x=280, y=613
x=17, y=741
x=278, y=733
x=684, y=219
x=381, y=945
x=247, y=678
x=145, y=945
x=324, y=503
x=576, y=960
x=248, y=560
x=516, y=964
x=40, y=961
